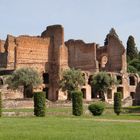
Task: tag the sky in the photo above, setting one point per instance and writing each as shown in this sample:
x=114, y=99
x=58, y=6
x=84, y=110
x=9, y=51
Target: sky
x=89, y=20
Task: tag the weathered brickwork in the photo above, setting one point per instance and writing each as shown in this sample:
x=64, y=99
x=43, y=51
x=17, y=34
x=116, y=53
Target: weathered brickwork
x=50, y=55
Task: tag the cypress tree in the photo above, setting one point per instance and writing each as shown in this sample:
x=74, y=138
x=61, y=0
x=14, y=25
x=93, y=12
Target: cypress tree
x=0, y=104
x=39, y=104
x=117, y=102
x=77, y=103
x=132, y=51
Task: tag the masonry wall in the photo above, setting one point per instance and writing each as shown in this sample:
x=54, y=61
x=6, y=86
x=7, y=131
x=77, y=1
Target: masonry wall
x=50, y=55
x=10, y=50
x=82, y=55
x=2, y=42
x=116, y=55
x=3, y=55
x=57, y=54
x=31, y=51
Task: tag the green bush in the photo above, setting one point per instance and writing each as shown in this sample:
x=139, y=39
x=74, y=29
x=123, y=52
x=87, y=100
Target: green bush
x=96, y=108
x=131, y=109
x=0, y=105
x=77, y=103
x=117, y=102
x=39, y=104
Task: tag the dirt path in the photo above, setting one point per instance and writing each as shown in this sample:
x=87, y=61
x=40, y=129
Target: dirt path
x=110, y=120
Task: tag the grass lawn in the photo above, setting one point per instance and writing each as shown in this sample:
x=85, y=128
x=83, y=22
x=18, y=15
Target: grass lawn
x=67, y=112
x=66, y=128
x=59, y=124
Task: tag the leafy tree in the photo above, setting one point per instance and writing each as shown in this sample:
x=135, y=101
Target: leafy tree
x=135, y=63
x=134, y=66
x=117, y=102
x=139, y=55
x=131, y=69
x=71, y=80
x=26, y=77
x=132, y=51
x=101, y=82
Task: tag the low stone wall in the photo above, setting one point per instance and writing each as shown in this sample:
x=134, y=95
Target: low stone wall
x=18, y=103
x=19, y=114
x=28, y=103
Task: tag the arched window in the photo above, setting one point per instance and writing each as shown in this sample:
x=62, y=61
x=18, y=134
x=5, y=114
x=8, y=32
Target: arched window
x=132, y=94
x=109, y=94
x=45, y=78
x=90, y=79
x=84, y=92
x=120, y=89
x=132, y=80
x=119, y=79
x=1, y=82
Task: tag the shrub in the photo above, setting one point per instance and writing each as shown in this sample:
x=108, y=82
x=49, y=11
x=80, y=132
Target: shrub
x=77, y=103
x=131, y=109
x=117, y=102
x=0, y=105
x=39, y=104
x=96, y=108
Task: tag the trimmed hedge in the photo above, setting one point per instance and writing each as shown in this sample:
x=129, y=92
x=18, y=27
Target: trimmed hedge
x=39, y=104
x=77, y=103
x=117, y=102
x=0, y=104
x=131, y=109
x=96, y=108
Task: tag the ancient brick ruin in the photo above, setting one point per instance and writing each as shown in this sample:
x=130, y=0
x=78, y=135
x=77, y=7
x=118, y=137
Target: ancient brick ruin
x=50, y=55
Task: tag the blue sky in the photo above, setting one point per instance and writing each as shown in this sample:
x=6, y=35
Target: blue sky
x=89, y=20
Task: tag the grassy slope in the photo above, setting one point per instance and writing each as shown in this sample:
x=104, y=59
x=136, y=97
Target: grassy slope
x=65, y=128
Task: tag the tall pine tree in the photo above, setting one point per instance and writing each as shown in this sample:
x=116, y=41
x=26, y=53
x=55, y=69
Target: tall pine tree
x=132, y=51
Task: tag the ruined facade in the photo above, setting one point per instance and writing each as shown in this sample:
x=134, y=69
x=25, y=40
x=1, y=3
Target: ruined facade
x=50, y=55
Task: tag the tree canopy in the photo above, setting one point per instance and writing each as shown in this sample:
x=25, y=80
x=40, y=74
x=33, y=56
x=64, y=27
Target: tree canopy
x=24, y=77
x=27, y=77
x=71, y=80
x=101, y=82
x=132, y=51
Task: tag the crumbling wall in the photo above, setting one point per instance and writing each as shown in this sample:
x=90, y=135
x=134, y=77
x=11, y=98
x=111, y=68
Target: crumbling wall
x=2, y=49
x=3, y=55
x=10, y=50
x=56, y=35
x=82, y=55
x=32, y=52
x=116, y=55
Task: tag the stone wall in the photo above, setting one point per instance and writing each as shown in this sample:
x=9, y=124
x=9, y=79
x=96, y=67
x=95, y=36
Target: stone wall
x=116, y=53
x=2, y=42
x=49, y=54
x=56, y=35
x=3, y=55
x=32, y=52
x=82, y=55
